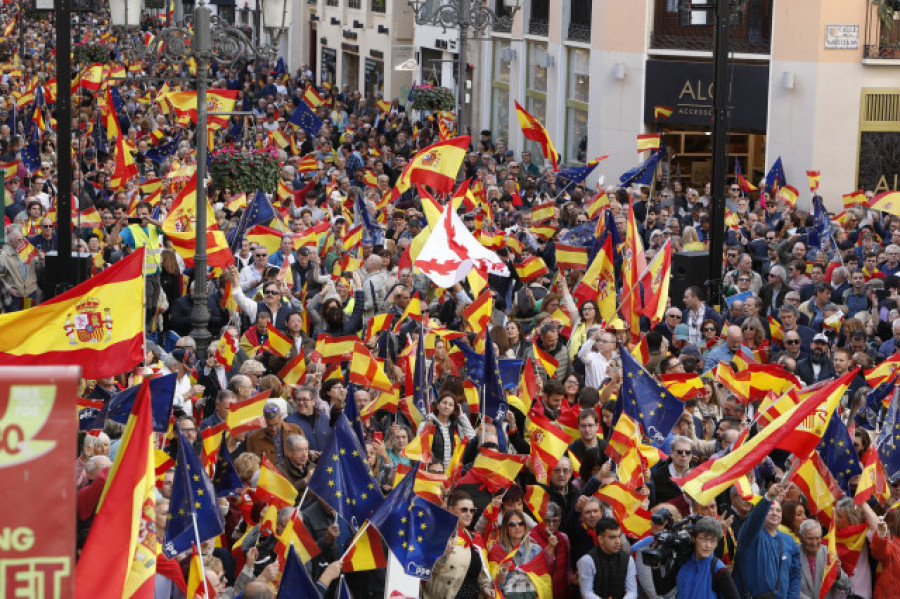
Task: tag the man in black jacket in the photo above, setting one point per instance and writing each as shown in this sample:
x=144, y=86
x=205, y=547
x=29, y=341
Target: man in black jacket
x=817, y=365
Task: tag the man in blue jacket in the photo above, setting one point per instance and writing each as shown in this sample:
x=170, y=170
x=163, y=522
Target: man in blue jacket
x=767, y=560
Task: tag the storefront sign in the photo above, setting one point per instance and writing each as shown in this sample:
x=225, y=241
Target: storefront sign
x=38, y=430
x=879, y=161
x=841, y=37
x=687, y=87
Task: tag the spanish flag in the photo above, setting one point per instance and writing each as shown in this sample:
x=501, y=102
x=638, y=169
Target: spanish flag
x=714, y=476
x=885, y=371
x=819, y=487
x=119, y=557
x=297, y=535
x=662, y=111
x=180, y=226
x=217, y=100
x=247, y=415
x=9, y=169
x=531, y=269
x=544, y=211
x=776, y=331
x=226, y=349
x=857, y=198
x=683, y=385
x=385, y=401
x=419, y=448
x=294, y=372
x=92, y=77
x=497, y=470
x=815, y=177
x=571, y=256
x=532, y=129
x=435, y=166
x=97, y=325
x=27, y=252
x=537, y=499
x=277, y=342
x=598, y=203
x=365, y=552
x=547, y=361
x=265, y=236
x=478, y=314
x=365, y=370
x=548, y=444
x=335, y=350
x=274, y=488
x=655, y=284
x=787, y=194
x=197, y=583
x=649, y=141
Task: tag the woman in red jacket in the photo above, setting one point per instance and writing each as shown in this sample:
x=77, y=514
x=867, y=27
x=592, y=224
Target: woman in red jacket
x=885, y=546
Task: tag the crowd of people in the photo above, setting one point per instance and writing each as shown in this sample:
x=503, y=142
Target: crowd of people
x=816, y=313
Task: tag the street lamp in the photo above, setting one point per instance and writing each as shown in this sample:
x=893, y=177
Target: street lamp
x=464, y=15
x=208, y=40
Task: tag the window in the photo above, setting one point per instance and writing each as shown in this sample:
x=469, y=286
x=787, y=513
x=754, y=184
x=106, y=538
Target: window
x=357, y=4
x=577, y=90
x=378, y=5
x=539, y=23
x=332, y=3
x=536, y=89
x=500, y=90
x=580, y=21
x=687, y=25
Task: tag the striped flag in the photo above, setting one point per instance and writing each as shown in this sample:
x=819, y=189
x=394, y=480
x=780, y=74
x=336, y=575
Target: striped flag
x=572, y=257
x=247, y=415
x=662, y=112
x=547, y=361
x=273, y=488
x=648, y=141
x=531, y=269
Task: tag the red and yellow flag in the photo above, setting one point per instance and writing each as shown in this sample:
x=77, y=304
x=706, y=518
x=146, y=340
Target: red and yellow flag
x=532, y=129
x=294, y=372
x=655, y=283
x=94, y=325
x=365, y=552
x=497, y=470
x=119, y=556
x=648, y=141
x=435, y=166
x=273, y=488
x=531, y=269
x=180, y=226
x=572, y=257
x=247, y=415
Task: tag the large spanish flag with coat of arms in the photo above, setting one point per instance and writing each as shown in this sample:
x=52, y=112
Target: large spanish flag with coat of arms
x=98, y=325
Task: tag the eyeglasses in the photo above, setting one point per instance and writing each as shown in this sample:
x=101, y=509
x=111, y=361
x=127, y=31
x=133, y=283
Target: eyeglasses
x=709, y=330
x=467, y=510
x=682, y=451
x=260, y=255
x=735, y=189
x=743, y=279
x=189, y=430
x=517, y=523
x=270, y=292
x=792, y=341
x=46, y=226
x=675, y=316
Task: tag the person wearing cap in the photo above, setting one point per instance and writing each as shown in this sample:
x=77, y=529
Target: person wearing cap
x=817, y=365
x=271, y=441
x=681, y=336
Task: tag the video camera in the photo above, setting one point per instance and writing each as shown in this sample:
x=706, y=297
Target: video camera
x=673, y=544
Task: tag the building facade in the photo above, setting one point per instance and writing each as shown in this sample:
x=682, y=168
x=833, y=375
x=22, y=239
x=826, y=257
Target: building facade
x=816, y=82
x=355, y=44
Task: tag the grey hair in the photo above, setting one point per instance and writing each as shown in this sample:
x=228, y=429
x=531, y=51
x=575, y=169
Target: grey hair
x=778, y=271
x=552, y=510
x=681, y=440
x=787, y=308
x=808, y=524
x=707, y=526
x=97, y=462
x=292, y=442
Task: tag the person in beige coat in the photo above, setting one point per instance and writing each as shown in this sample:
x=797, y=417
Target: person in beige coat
x=455, y=574
x=20, y=279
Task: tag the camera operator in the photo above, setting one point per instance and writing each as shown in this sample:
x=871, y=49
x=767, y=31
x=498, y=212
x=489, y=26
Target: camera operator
x=699, y=574
x=767, y=564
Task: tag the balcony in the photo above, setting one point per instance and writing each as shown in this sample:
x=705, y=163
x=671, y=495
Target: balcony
x=688, y=25
x=539, y=20
x=881, y=36
x=503, y=20
x=379, y=6
x=579, y=32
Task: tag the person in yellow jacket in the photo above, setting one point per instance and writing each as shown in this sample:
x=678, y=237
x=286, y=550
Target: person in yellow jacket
x=146, y=234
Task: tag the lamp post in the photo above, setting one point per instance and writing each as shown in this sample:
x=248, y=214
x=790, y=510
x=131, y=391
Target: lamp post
x=726, y=13
x=205, y=41
x=464, y=15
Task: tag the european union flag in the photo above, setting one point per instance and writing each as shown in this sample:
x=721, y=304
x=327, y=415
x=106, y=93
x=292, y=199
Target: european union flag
x=342, y=478
x=510, y=372
x=225, y=480
x=351, y=411
x=280, y=69
x=577, y=174
x=495, y=406
x=820, y=233
x=119, y=107
x=305, y=118
x=647, y=401
x=193, y=503
x=295, y=580
x=886, y=443
x=373, y=232
x=837, y=452
x=258, y=212
x=31, y=154
x=165, y=151
x=474, y=363
x=162, y=390
x=643, y=173
x=420, y=377
x=775, y=178
x=414, y=529
x=582, y=235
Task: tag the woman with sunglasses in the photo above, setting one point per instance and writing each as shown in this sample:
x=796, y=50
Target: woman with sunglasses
x=514, y=583
x=709, y=335
x=461, y=571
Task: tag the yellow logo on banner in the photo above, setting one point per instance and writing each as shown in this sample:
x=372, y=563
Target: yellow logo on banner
x=27, y=411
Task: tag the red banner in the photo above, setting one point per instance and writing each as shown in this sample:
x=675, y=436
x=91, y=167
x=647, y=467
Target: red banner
x=38, y=432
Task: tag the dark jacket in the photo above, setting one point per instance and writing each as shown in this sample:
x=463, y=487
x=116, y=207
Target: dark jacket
x=805, y=370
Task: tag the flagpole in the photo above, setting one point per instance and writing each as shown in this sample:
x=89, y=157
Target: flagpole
x=355, y=540
x=200, y=556
x=641, y=276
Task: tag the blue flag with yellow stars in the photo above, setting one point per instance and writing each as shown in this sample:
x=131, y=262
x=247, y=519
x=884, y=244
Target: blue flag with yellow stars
x=225, y=479
x=648, y=402
x=258, y=212
x=162, y=390
x=414, y=529
x=868, y=417
x=886, y=443
x=165, y=151
x=495, y=406
x=351, y=411
x=295, y=580
x=474, y=363
x=305, y=118
x=193, y=502
x=342, y=478
x=420, y=377
x=510, y=372
x=837, y=452
x=578, y=174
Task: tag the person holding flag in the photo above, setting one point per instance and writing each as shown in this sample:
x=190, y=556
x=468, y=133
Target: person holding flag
x=143, y=234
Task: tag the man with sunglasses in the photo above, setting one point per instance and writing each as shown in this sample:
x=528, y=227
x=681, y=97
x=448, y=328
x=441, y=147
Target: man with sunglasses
x=677, y=466
x=46, y=240
x=277, y=299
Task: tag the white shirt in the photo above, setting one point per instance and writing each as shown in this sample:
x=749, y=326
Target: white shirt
x=595, y=364
x=182, y=397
